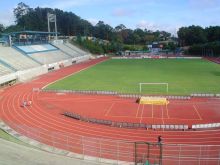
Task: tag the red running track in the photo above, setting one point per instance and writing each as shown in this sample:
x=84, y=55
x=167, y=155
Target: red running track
x=42, y=121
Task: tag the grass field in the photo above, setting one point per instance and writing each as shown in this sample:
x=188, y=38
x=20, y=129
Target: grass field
x=184, y=76
x=8, y=137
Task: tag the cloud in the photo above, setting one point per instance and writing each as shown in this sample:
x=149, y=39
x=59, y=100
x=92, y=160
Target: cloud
x=204, y=4
x=68, y=4
x=6, y=17
x=122, y=12
x=93, y=21
x=143, y=24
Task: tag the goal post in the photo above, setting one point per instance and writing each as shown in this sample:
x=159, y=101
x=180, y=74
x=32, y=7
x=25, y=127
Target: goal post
x=163, y=84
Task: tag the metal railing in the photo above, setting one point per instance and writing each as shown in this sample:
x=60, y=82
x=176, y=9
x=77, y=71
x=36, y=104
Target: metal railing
x=131, y=125
x=132, y=95
x=177, y=154
x=119, y=152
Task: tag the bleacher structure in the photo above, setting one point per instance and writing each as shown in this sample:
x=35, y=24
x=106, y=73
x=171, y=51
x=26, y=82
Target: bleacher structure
x=64, y=48
x=71, y=46
x=49, y=57
x=4, y=70
x=22, y=59
x=16, y=60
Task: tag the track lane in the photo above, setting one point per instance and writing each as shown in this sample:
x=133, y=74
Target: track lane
x=39, y=118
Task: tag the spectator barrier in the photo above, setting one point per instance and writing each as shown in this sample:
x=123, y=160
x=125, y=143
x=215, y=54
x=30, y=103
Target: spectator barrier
x=118, y=152
x=126, y=124
x=206, y=126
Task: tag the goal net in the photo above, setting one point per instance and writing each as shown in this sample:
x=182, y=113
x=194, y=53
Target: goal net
x=154, y=88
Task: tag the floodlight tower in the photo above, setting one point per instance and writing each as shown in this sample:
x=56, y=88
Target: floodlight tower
x=52, y=18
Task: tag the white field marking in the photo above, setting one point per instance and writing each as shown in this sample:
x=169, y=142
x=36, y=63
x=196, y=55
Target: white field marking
x=169, y=118
x=142, y=113
x=194, y=106
x=192, y=103
x=152, y=109
x=193, y=132
x=137, y=111
x=85, y=101
x=162, y=114
x=106, y=114
x=167, y=112
x=60, y=93
x=73, y=73
x=80, y=100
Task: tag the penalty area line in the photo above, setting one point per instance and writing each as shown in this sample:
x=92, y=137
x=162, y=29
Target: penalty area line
x=90, y=66
x=194, y=106
x=108, y=111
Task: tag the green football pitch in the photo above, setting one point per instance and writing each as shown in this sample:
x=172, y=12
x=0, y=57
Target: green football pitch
x=183, y=76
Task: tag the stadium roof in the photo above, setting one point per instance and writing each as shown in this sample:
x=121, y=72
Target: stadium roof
x=32, y=32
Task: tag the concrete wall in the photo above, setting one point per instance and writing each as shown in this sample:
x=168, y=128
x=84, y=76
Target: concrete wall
x=28, y=74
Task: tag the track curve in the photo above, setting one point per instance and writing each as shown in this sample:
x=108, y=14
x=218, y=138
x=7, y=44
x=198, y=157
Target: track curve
x=43, y=122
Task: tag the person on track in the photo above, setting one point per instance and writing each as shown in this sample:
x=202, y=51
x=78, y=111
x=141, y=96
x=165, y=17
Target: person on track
x=24, y=104
x=30, y=103
x=159, y=139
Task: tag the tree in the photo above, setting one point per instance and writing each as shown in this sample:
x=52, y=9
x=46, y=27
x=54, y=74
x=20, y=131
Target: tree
x=149, y=38
x=21, y=10
x=12, y=28
x=213, y=33
x=139, y=36
x=2, y=28
x=103, y=31
x=120, y=28
x=72, y=25
x=127, y=36
x=191, y=35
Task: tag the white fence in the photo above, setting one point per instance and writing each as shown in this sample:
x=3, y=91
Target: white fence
x=206, y=126
x=155, y=57
x=120, y=152
x=8, y=77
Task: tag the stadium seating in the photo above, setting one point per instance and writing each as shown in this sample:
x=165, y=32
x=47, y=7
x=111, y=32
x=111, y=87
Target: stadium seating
x=28, y=49
x=4, y=70
x=49, y=57
x=71, y=46
x=67, y=50
x=16, y=60
x=24, y=62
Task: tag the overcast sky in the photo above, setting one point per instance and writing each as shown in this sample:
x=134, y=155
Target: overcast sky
x=166, y=15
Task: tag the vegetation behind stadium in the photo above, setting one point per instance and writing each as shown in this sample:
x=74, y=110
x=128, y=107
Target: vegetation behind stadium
x=120, y=37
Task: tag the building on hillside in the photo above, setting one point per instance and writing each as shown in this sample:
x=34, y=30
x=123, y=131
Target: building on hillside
x=4, y=40
x=94, y=39
x=30, y=37
x=155, y=47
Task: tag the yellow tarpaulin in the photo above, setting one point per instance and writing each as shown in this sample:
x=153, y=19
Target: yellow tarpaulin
x=153, y=100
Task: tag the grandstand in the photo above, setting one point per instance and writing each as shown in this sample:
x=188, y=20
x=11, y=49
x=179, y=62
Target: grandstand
x=113, y=136
x=26, y=53
x=74, y=48
x=119, y=134
x=49, y=57
x=67, y=50
x=16, y=60
x=28, y=49
x=4, y=70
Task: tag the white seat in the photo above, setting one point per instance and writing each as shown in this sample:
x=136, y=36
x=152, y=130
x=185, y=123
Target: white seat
x=4, y=70
x=67, y=50
x=16, y=59
x=50, y=56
